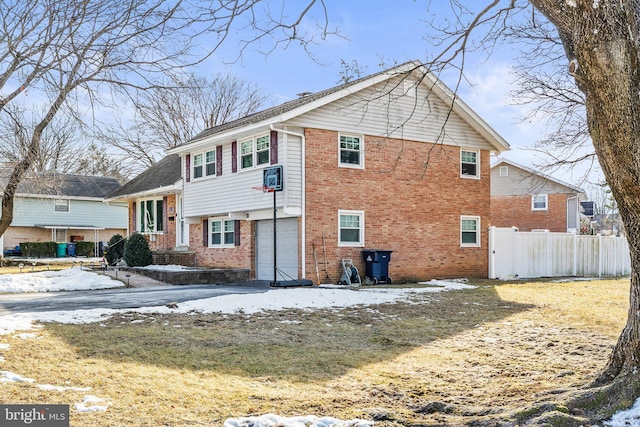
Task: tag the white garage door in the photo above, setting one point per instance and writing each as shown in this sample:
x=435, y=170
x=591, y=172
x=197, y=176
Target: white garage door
x=287, y=240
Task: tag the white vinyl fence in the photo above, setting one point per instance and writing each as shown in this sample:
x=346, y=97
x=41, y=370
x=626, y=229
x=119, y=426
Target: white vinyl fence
x=513, y=253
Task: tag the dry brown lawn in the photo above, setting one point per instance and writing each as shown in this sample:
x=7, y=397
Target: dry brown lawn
x=454, y=358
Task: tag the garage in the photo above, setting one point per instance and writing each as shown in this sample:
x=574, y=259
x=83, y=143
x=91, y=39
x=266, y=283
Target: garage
x=287, y=241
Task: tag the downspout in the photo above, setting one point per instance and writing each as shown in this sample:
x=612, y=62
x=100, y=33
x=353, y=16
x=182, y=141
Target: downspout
x=304, y=195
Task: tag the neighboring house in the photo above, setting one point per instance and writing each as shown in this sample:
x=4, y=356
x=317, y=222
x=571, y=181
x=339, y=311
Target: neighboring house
x=155, y=203
x=54, y=207
x=393, y=161
x=529, y=200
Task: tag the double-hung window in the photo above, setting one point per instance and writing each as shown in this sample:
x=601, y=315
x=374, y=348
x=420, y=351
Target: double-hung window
x=350, y=228
x=210, y=163
x=469, y=163
x=351, y=148
x=470, y=231
x=197, y=166
x=150, y=216
x=61, y=205
x=204, y=164
x=222, y=232
x=255, y=152
x=539, y=202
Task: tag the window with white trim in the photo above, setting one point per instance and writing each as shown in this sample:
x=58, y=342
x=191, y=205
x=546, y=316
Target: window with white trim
x=197, y=166
x=61, y=205
x=204, y=164
x=351, y=149
x=350, y=228
x=255, y=152
x=221, y=232
x=470, y=163
x=150, y=214
x=210, y=163
x=504, y=170
x=470, y=231
x=539, y=202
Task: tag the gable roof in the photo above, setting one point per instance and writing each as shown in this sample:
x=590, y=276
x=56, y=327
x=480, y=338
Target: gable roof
x=63, y=185
x=158, y=177
x=296, y=107
x=502, y=162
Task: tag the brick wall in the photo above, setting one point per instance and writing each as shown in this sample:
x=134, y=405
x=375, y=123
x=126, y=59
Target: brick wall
x=509, y=211
x=159, y=241
x=233, y=257
x=412, y=196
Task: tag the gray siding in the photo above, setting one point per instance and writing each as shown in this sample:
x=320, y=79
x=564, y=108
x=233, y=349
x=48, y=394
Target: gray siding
x=520, y=182
x=40, y=211
x=398, y=109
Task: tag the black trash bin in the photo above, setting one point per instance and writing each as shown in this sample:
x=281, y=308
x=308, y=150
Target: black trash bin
x=376, y=263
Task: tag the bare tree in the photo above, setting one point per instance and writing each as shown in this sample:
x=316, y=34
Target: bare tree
x=62, y=145
x=72, y=52
x=170, y=115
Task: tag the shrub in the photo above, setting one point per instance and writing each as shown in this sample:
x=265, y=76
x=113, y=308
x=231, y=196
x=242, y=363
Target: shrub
x=85, y=248
x=137, y=252
x=115, y=249
x=38, y=249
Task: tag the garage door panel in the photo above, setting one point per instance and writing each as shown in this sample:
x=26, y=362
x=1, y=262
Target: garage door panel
x=287, y=241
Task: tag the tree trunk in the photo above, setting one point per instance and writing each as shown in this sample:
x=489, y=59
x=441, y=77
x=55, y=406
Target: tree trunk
x=601, y=37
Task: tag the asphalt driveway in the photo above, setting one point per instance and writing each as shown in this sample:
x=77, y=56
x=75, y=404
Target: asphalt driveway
x=121, y=298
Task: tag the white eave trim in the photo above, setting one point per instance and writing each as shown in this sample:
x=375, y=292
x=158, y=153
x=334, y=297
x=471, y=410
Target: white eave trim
x=159, y=191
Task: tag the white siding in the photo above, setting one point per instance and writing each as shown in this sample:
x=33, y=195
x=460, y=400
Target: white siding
x=385, y=110
x=233, y=193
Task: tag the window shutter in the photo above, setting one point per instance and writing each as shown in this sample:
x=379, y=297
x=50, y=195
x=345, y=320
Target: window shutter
x=187, y=162
x=219, y=160
x=133, y=214
x=273, y=147
x=164, y=214
x=236, y=233
x=234, y=156
x=205, y=232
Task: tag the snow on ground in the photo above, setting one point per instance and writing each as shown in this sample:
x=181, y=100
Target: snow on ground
x=52, y=281
x=307, y=298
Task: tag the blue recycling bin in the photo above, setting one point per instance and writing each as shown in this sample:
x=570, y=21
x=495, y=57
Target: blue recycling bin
x=71, y=249
x=376, y=263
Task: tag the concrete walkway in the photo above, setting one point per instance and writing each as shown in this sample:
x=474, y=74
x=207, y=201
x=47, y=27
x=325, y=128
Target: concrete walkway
x=133, y=280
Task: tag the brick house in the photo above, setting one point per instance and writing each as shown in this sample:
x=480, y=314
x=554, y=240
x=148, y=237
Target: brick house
x=55, y=207
x=391, y=161
x=529, y=200
x=154, y=199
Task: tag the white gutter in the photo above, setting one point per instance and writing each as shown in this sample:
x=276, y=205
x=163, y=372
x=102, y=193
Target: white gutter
x=304, y=195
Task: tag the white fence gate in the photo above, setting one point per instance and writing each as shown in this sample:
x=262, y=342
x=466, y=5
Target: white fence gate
x=513, y=253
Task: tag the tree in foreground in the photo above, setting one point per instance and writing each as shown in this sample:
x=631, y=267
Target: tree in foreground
x=601, y=44
x=83, y=55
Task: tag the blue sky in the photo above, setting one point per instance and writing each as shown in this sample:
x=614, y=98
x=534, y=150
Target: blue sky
x=377, y=31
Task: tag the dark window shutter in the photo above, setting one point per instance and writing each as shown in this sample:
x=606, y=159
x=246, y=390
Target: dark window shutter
x=133, y=213
x=236, y=233
x=164, y=214
x=219, y=160
x=234, y=156
x=205, y=232
x=187, y=172
x=273, y=146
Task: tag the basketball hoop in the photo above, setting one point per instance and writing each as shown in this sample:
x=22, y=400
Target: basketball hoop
x=260, y=190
